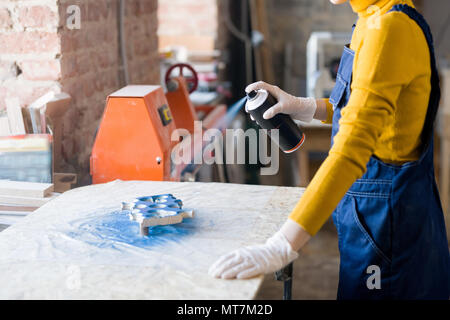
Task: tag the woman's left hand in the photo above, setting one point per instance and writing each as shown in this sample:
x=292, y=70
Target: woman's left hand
x=251, y=261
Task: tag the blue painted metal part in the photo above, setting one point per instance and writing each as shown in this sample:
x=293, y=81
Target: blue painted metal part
x=161, y=209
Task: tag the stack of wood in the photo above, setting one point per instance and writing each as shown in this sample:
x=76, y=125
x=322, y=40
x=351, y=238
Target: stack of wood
x=38, y=117
x=18, y=199
x=42, y=116
x=31, y=136
x=30, y=154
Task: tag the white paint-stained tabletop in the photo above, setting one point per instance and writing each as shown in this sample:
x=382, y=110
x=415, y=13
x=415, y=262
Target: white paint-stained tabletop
x=80, y=246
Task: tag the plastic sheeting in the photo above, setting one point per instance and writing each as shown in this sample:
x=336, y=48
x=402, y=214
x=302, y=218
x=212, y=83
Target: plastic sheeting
x=81, y=246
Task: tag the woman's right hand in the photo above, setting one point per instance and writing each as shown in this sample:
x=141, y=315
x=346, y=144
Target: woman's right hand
x=298, y=108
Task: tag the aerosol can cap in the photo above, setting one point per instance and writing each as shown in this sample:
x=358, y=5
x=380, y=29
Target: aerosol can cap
x=255, y=99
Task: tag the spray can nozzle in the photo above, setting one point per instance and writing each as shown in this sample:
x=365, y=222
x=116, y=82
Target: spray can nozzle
x=252, y=94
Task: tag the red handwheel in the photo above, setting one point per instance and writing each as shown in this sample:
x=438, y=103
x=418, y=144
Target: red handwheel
x=192, y=81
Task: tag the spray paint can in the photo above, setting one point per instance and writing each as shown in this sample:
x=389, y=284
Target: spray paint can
x=290, y=136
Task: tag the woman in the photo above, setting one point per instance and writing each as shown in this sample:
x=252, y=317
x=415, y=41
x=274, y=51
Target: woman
x=378, y=179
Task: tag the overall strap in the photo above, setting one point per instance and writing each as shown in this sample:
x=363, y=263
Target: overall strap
x=435, y=94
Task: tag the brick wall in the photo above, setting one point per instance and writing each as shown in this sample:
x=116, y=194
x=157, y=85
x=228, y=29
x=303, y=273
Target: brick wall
x=29, y=49
x=38, y=52
x=189, y=23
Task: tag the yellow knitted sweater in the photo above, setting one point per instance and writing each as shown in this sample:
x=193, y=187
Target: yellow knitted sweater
x=386, y=111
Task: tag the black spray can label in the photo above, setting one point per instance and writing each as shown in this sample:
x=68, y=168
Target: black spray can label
x=290, y=135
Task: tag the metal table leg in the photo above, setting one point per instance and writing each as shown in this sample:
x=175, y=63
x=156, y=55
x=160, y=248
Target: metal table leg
x=285, y=275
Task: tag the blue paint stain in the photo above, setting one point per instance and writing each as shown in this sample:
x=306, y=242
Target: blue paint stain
x=107, y=230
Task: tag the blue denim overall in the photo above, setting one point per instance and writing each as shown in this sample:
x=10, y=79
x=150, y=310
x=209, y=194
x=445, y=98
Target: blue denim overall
x=392, y=237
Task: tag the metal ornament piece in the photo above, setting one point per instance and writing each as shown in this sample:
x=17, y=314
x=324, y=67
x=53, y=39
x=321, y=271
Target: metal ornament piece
x=157, y=210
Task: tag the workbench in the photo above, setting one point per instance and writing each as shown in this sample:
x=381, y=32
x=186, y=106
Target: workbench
x=81, y=246
x=317, y=139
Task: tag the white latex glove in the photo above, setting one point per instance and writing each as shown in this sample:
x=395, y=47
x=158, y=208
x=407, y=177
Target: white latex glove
x=298, y=108
x=251, y=261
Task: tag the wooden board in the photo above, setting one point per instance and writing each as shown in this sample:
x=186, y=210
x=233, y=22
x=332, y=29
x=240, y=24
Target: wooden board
x=64, y=181
x=57, y=106
x=17, y=208
x=10, y=215
x=16, y=124
x=10, y=219
x=4, y=127
x=35, y=116
x=80, y=236
x=37, y=112
x=25, y=189
x=14, y=213
x=55, y=110
x=26, y=201
x=27, y=120
x=263, y=53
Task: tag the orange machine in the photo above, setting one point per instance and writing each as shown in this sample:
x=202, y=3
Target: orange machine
x=182, y=109
x=134, y=138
